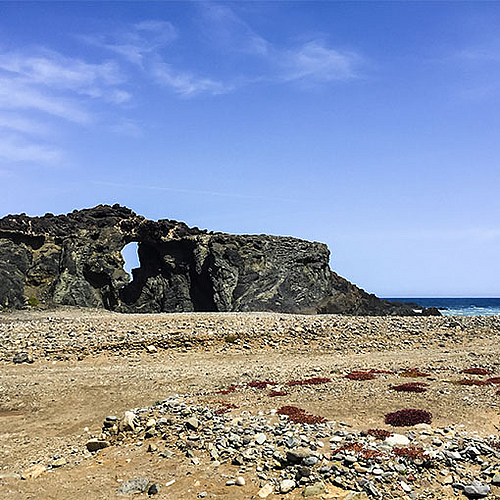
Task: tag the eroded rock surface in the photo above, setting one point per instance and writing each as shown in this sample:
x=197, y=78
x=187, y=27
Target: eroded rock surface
x=76, y=260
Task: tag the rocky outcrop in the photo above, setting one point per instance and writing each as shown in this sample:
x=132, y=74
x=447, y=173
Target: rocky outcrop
x=76, y=259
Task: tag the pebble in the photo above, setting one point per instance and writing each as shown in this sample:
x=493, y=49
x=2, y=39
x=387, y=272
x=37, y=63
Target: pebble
x=240, y=481
x=287, y=485
x=265, y=491
x=260, y=438
x=192, y=423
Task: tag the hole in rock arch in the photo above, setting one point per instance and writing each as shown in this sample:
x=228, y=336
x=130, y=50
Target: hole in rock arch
x=131, y=257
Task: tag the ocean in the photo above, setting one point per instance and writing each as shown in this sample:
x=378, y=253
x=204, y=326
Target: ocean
x=458, y=306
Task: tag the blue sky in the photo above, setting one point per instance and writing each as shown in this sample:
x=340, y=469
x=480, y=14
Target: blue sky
x=373, y=127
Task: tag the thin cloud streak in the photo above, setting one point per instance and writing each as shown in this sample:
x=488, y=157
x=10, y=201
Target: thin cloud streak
x=17, y=123
x=136, y=42
x=187, y=84
x=192, y=191
x=224, y=27
x=316, y=62
x=14, y=95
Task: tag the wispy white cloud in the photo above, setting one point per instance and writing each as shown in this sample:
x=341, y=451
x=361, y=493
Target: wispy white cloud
x=312, y=62
x=126, y=127
x=140, y=44
x=54, y=71
x=197, y=192
x=136, y=42
x=316, y=62
x=19, y=96
x=15, y=149
x=18, y=123
x=186, y=84
x=38, y=84
x=224, y=27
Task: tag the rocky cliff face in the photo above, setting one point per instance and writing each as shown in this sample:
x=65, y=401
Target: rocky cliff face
x=75, y=259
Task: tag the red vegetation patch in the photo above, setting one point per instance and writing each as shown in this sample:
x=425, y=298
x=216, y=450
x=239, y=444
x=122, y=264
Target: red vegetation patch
x=413, y=373
x=360, y=375
x=476, y=371
x=274, y=394
x=309, y=381
x=225, y=407
x=493, y=380
x=410, y=387
x=261, y=384
x=408, y=417
x=229, y=390
x=412, y=452
x=379, y=433
x=470, y=381
x=299, y=415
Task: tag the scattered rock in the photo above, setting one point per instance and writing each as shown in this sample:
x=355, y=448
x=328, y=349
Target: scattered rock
x=476, y=490
x=192, y=423
x=136, y=485
x=96, y=444
x=260, y=438
x=287, y=485
x=33, y=472
x=153, y=489
x=313, y=490
x=22, y=357
x=10, y=475
x=265, y=491
x=397, y=440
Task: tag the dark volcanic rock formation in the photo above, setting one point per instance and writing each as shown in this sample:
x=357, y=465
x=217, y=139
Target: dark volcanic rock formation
x=75, y=259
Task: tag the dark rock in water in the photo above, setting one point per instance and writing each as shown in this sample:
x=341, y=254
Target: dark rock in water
x=76, y=260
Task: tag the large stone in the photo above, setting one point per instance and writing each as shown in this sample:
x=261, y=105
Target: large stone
x=136, y=485
x=265, y=491
x=397, y=440
x=313, y=490
x=76, y=260
x=476, y=490
x=22, y=357
x=34, y=471
x=287, y=485
x=192, y=423
x=96, y=445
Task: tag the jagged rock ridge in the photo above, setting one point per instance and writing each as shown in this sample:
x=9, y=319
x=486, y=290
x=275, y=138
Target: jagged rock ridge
x=76, y=259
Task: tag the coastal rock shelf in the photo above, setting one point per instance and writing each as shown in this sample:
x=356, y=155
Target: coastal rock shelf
x=76, y=260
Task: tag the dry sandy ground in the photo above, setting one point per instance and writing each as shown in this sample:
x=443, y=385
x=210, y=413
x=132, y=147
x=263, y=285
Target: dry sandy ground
x=51, y=407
